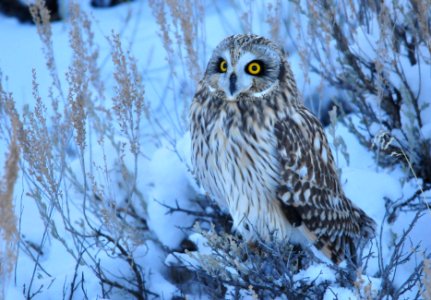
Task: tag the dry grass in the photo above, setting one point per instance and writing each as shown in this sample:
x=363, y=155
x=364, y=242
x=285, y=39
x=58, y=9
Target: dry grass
x=182, y=32
x=129, y=104
x=274, y=20
x=8, y=220
x=42, y=17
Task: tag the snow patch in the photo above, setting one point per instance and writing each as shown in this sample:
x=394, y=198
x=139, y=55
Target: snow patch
x=316, y=273
x=170, y=185
x=339, y=293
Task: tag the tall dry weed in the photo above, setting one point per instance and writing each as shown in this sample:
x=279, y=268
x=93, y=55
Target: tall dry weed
x=182, y=32
x=8, y=222
x=9, y=235
x=186, y=18
x=41, y=17
x=129, y=103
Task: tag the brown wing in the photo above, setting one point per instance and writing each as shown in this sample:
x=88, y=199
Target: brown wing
x=310, y=191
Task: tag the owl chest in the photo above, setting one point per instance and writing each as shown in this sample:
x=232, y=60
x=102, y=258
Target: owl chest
x=238, y=166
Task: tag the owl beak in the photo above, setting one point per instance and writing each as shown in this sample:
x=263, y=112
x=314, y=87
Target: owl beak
x=232, y=83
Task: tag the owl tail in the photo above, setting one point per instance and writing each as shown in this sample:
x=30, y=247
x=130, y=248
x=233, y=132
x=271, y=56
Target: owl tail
x=346, y=245
x=367, y=231
x=368, y=226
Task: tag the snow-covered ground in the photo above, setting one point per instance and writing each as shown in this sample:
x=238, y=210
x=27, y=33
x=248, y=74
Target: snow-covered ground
x=164, y=175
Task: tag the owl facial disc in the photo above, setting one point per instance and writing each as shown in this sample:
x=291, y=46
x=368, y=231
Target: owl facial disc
x=243, y=69
x=235, y=81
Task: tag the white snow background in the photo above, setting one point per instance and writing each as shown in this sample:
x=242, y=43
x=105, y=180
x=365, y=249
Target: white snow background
x=165, y=172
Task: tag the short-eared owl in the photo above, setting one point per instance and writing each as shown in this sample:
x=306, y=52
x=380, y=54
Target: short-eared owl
x=259, y=152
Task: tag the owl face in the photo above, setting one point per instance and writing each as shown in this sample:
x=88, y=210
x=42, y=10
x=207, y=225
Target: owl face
x=244, y=67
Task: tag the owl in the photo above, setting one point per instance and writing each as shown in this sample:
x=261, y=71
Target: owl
x=265, y=158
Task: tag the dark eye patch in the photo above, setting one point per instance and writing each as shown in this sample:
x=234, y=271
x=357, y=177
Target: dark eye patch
x=256, y=68
x=221, y=66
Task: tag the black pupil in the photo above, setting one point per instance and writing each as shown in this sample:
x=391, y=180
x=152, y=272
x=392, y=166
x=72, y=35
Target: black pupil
x=254, y=68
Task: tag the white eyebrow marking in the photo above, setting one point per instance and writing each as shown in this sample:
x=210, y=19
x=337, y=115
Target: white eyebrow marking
x=226, y=55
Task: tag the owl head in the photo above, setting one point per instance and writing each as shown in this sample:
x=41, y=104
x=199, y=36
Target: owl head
x=245, y=67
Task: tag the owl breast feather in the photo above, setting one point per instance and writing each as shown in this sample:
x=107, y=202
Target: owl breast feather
x=235, y=160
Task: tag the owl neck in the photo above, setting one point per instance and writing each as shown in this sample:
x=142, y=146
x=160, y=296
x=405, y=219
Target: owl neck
x=249, y=115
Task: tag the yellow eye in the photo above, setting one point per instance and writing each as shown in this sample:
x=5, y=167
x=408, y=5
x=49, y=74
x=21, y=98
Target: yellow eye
x=223, y=66
x=254, y=68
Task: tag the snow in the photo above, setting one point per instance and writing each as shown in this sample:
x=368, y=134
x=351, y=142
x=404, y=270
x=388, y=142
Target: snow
x=170, y=180
x=426, y=131
x=165, y=175
x=370, y=286
x=316, y=274
x=153, y=259
x=339, y=293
